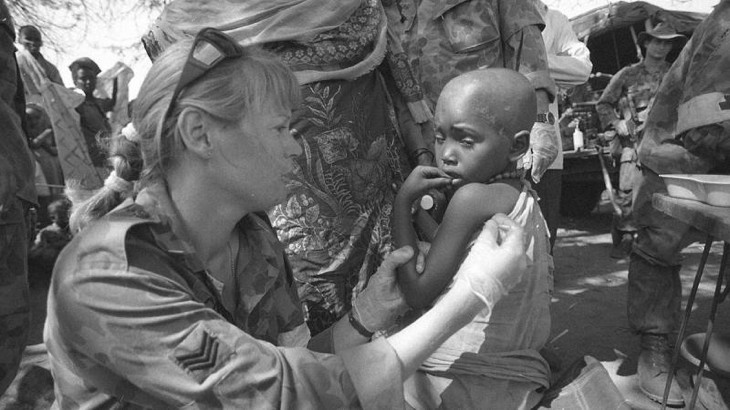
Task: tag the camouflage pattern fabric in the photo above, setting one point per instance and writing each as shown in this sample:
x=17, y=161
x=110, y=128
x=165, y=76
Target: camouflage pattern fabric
x=17, y=191
x=632, y=91
x=700, y=69
x=451, y=37
x=634, y=82
x=133, y=322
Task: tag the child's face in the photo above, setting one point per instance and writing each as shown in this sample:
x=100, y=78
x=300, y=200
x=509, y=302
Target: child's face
x=35, y=121
x=60, y=218
x=85, y=80
x=467, y=144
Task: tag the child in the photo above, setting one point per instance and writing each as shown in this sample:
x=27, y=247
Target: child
x=482, y=121
x=49, y=242
x=49, y=176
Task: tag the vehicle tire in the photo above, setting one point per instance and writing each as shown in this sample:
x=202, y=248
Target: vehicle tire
x=579, y=198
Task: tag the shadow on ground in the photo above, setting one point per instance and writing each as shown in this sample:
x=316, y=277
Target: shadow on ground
x=589, y=303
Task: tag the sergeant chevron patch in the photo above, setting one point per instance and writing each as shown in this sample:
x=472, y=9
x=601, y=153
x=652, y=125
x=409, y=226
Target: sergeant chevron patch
x=200, y=354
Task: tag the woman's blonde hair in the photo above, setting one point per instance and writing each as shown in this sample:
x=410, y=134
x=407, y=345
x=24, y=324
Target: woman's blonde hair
x=230, y=91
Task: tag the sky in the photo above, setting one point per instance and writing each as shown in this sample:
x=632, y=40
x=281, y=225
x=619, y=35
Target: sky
x=118, y=40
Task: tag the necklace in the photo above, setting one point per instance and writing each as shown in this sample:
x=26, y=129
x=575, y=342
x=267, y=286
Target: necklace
x=518, y=173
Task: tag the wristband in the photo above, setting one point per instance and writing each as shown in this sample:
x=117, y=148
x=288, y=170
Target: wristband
x=358, y=326
x=418, y=152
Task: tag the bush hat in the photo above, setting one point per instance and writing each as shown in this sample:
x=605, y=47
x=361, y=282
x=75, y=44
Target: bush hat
x=662, y=31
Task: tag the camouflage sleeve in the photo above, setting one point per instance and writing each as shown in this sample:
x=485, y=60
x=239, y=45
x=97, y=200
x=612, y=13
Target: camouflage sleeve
x=524, y=49
x=606, y=105
x=141, y=337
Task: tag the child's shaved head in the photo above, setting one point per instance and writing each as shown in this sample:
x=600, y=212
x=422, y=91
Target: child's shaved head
x=502, y=97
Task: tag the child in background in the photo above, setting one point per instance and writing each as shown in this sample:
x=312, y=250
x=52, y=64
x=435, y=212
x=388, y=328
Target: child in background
x=49, y=242
x=49, y=176
x=482, y=123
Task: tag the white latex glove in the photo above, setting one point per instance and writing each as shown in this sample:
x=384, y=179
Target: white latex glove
x=381, y=302
x=496, y=261
x=544, y=145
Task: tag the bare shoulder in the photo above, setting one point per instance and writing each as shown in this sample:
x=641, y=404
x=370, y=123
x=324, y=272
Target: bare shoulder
x=485, y=199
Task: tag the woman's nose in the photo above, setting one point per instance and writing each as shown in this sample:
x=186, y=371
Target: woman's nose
x=292, y=147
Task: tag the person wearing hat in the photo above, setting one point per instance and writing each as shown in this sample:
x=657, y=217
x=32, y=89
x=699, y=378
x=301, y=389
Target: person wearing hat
x=92, y=112
x=623, y=108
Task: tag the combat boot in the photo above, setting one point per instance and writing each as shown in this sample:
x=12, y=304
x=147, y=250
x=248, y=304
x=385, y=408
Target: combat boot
x=655, y=361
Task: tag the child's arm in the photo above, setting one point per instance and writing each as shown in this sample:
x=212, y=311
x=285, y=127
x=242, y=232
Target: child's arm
x=471, y=206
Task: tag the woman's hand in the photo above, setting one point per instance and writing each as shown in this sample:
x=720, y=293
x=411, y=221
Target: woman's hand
x=381, y=302
x=496, y=261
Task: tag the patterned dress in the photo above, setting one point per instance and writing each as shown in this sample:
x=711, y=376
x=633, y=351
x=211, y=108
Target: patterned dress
x=336, y=222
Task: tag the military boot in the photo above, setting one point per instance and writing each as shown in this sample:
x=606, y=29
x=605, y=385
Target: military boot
x=655, y=361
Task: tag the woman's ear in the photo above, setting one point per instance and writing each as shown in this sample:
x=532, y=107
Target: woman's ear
x=192, y=125
x=520, y=144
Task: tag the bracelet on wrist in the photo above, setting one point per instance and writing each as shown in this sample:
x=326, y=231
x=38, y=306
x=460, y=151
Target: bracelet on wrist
x=358, y=326
x=418, y=152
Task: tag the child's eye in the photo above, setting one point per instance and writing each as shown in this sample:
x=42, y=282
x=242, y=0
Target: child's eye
x=467, y=143
x=439, y=138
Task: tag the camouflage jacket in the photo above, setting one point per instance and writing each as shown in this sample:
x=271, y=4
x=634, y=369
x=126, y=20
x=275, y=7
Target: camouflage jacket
x=688, y=127
x=134, y=321
x=447, y=38
x=635, y=83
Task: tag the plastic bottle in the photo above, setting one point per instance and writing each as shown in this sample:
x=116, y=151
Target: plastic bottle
x=577, y=137
x=435, y=203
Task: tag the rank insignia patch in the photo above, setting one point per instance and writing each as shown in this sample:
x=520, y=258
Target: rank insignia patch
x=200, y=354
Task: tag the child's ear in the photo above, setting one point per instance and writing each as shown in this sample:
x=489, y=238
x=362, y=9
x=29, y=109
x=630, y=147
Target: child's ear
x=520, y=144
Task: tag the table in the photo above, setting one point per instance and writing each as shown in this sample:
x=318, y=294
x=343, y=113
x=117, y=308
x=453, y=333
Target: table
x=715, y=222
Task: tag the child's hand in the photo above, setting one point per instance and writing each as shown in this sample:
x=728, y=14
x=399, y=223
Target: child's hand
x=421, y=179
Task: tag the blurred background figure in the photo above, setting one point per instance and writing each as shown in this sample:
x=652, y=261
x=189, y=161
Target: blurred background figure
x=623, y=107
x=49, y=242
x=17, y=194
x=32, y=41
x=569, y=62
x=43, y=146
x=92, y=111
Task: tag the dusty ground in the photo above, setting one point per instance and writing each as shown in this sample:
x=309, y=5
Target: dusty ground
x=588, y=313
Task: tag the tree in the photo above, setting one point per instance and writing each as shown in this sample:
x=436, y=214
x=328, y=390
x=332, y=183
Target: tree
x=55, y=18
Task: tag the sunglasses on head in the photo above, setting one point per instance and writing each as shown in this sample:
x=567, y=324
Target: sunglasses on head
x=210, y=48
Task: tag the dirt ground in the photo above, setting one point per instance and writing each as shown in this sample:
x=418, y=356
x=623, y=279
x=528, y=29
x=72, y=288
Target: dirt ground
x=588, y=316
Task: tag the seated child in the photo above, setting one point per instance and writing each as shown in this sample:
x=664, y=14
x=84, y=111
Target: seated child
x=49, y=242
x=482, y=123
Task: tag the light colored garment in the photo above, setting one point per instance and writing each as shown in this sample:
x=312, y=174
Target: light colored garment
x=495, y=359
x=569, y=61
x=60, y=103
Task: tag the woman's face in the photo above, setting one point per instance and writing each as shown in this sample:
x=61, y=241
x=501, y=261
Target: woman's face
x=658, y=48
x=254, y=155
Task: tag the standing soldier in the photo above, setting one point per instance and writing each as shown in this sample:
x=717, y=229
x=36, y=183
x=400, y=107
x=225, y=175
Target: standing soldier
x=623, y=107
x=687, y=131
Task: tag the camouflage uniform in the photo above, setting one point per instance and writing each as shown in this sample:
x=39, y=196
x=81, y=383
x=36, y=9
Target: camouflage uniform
x=687, y=131
x=17, y=192
x=451, y=37
x=632, y=88
x=134, y=321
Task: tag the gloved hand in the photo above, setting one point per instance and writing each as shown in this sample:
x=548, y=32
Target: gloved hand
x=544, y=145
x=496, y=261
x=381, y=302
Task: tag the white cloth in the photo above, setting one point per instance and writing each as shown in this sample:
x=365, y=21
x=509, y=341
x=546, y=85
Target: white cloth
x=569, y=61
